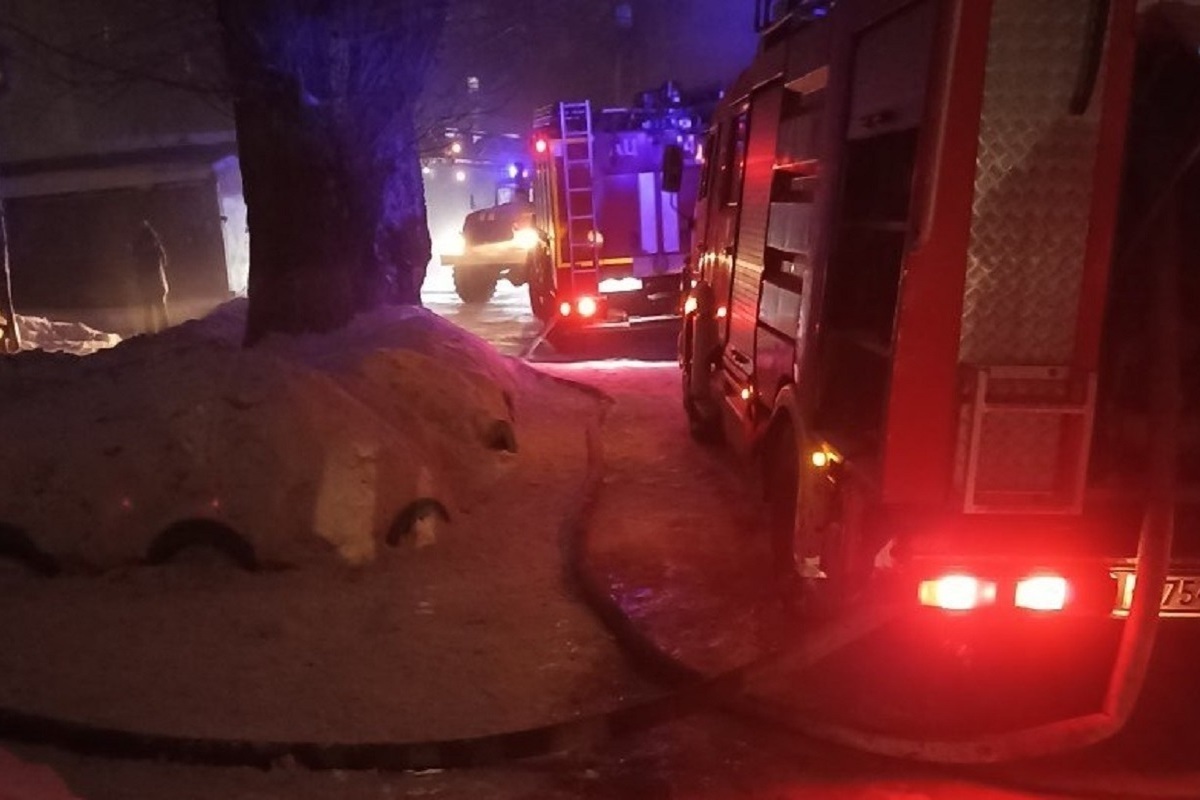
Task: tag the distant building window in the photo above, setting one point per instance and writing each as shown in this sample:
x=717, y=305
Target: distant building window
x=473, y=84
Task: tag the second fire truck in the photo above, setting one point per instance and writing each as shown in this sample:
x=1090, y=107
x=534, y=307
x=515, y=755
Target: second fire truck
x=612, y=240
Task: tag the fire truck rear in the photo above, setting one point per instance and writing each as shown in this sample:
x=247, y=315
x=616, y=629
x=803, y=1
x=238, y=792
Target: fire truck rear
x=613, y=242
x=904, y=248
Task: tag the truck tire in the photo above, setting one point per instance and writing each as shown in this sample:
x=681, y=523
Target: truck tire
x=781, y=491
x=795, y=512
x=699, y=342
x=542, y=298
x=475, y=285
x=703, y=424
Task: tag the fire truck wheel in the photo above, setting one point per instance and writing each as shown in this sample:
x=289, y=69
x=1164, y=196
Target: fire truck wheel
x=541, y=287
x=475, y=285
x=805, y=578
x=696, y=348
x=703, y=427
x=846, y=554
x=781, y=491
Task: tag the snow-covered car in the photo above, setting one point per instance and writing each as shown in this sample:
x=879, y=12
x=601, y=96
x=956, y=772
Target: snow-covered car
x=292, y=449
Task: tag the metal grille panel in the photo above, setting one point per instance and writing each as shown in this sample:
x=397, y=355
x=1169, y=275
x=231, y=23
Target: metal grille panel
x=1032, y=188
x=1023, y=451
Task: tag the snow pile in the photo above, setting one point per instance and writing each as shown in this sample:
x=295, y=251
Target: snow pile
x=39, y=333
x=301, y=445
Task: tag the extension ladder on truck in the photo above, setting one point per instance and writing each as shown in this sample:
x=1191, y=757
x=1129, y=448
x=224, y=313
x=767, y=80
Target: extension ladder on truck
x=581, y=246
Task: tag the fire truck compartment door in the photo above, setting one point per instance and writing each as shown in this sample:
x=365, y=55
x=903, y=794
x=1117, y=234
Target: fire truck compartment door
x=752, y=219
x=890, y=72
x=658, y=216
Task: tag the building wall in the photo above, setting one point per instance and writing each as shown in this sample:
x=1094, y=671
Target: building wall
x=71, y=252
x=86, y=158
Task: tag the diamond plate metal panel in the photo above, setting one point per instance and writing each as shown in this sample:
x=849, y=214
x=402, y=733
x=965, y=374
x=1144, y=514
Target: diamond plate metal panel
x=1022, y=454
x=1032, y=188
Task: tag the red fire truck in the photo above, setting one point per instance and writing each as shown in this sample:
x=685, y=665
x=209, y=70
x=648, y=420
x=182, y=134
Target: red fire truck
x=613, y=242
x=899, y=296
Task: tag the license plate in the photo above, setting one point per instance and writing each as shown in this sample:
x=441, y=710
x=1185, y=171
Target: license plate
x=1180, y=595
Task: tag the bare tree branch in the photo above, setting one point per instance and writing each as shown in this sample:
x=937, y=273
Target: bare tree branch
x=123, y=72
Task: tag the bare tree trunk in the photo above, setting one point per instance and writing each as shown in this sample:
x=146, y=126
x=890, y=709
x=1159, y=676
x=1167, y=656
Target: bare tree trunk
x=324, y=95
x=300, y=278
x=10, y=334
x=402, y=245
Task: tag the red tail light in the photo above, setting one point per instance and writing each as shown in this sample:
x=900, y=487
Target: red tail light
x=587, y=307
x=1042, y=593
x=956, y=592
x=565, y=309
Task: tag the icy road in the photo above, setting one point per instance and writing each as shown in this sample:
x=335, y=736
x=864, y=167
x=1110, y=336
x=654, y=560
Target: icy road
x=506, y=321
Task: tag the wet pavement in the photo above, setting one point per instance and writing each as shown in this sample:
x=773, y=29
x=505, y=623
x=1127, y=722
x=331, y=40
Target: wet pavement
x=505, y=321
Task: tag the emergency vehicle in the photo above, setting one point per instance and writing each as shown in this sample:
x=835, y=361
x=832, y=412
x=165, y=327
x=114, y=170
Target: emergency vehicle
x=495, y=243
x=899, y=297
x=612, y=240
